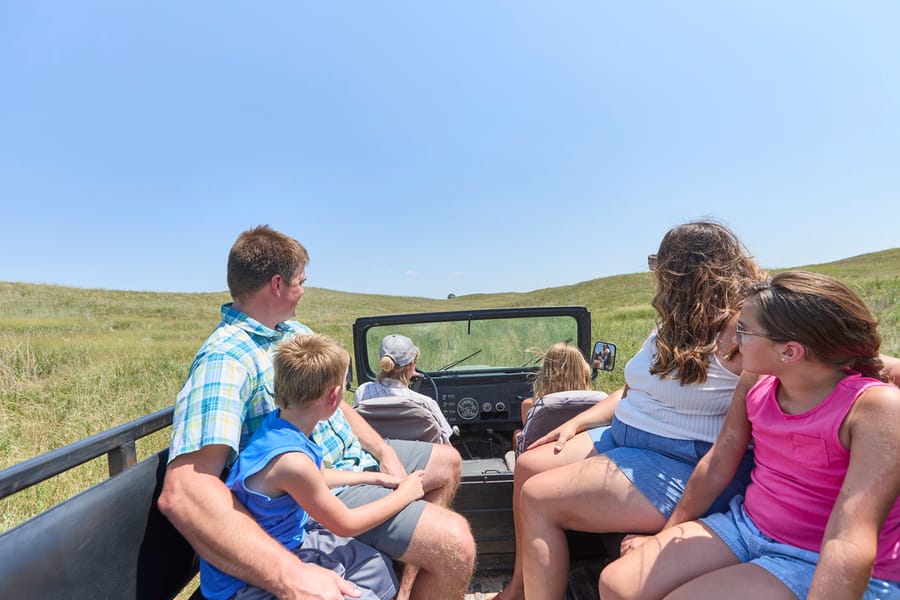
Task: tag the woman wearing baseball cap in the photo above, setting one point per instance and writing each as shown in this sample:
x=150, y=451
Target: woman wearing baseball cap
x=396, y=368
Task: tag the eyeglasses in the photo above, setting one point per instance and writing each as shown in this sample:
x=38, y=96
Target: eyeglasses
x=739, y=331
x=651, y=262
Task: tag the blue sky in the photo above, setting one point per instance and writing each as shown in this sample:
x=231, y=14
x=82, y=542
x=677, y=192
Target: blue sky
x=423, y=148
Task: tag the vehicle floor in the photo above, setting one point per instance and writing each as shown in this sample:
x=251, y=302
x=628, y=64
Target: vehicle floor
x=582, y=583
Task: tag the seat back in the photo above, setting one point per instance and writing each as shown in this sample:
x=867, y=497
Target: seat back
x=553, y=410
x=400, y=418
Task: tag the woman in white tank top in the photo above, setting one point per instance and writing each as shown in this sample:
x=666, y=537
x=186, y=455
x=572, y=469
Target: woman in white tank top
x=618, y=466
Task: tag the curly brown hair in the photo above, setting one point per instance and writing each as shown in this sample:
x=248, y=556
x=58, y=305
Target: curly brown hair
x=702, y=275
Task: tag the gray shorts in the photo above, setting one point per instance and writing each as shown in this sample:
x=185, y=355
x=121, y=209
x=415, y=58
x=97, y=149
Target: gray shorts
x=392, y=537
x=367, y=568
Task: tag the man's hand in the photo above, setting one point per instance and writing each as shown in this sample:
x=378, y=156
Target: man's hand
x=390, y=463
x=389, y=481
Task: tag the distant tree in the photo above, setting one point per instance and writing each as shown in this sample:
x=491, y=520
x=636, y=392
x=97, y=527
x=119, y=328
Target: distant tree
x=451, y=296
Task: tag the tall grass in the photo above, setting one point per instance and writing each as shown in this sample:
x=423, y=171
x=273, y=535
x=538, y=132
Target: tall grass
x=74, y=362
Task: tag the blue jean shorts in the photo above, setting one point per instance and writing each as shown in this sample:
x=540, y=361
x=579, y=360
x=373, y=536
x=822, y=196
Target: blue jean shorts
x=659, y=467
x=793, y=566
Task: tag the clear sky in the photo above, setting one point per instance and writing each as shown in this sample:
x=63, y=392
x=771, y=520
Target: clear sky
x=423, y=148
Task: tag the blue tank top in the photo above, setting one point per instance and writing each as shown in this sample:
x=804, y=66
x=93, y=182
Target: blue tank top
x=280, y=517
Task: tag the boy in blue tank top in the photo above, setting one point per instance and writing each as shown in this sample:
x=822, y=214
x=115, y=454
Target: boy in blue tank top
x=279, y=478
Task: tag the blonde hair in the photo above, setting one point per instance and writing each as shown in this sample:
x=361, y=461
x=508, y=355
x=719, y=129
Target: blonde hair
x=563, y=368
x=824, y=315
x=259, y=254
x=387, y=368
x=702, y=274
x=306, y=367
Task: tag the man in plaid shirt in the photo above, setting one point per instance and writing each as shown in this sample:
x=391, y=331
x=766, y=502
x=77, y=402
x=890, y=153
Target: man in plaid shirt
x=226, y=396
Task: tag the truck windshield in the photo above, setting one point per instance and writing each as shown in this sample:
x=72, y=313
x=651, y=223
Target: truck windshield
x=477, y=344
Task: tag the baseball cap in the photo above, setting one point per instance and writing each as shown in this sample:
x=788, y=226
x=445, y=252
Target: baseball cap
x=400, y=348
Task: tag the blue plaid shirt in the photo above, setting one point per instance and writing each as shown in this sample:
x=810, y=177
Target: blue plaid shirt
x=229, y=389
x=341, y=449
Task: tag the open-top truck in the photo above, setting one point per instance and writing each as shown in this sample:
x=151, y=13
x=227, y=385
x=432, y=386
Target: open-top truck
x=110, y=541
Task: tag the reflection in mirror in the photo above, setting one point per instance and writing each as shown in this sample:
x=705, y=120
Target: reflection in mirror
x=603, y=358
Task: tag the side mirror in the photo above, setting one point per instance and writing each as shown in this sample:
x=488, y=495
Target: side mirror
x=603, y=358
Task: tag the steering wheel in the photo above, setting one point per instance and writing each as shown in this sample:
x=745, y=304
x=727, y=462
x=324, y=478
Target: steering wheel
x=417, y=383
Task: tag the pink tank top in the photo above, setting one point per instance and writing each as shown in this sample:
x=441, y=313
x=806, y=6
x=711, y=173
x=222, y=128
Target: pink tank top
x=800, y=465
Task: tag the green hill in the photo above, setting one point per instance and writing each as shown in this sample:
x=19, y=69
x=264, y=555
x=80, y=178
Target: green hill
x=74, y=362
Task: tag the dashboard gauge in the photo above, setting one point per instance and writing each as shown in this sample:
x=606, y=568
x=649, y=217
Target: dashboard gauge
x=467, y=408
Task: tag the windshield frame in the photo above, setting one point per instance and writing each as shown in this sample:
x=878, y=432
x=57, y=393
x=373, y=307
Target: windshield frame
x=462, y=337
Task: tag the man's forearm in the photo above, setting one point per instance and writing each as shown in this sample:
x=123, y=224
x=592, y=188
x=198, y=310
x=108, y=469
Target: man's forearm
x=219, y=529
x=369, y=439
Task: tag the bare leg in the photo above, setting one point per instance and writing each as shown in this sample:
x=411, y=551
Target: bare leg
x=406, y=581
x=692, y=561
x=589, y=495
x=443, y=550
x=538, y=460
x=442, y=474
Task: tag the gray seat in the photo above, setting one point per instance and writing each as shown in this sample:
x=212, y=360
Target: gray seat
x=401, y=418
x=552, y=410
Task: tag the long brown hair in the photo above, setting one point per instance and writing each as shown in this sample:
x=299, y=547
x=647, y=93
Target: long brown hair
x=824, y=315
x=702, y=274
x=563, y=368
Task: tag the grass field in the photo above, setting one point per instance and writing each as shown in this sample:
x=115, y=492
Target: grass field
x=74, y=362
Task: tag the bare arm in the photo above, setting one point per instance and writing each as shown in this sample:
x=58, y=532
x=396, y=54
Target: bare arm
x=295, y=474
x=851, y=536
x=598, y=415
x=716, y=469
x=219, y=528
x=373, y=443
x=335, y=478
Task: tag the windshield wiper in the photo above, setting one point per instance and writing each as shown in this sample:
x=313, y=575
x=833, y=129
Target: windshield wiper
x=537, y=357
x=463, y=359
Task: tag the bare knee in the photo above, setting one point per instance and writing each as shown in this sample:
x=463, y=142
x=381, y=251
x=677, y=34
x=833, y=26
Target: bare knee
x=526, y=466
x=443, y=544
x=444, y=465
x=462, y=543
x=614, y=583
x=532, y=496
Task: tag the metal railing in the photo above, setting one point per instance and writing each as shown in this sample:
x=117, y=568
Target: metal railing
x=117, y=443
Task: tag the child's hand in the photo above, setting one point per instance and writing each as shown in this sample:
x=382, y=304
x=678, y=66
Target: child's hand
x=413, y=485
x=632, y=542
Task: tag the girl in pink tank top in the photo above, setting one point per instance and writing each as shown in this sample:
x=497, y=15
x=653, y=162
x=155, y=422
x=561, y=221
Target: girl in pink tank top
x=821, y=518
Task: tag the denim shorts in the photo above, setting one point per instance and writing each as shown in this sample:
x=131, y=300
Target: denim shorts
x=793, y=566
x=659, y=467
